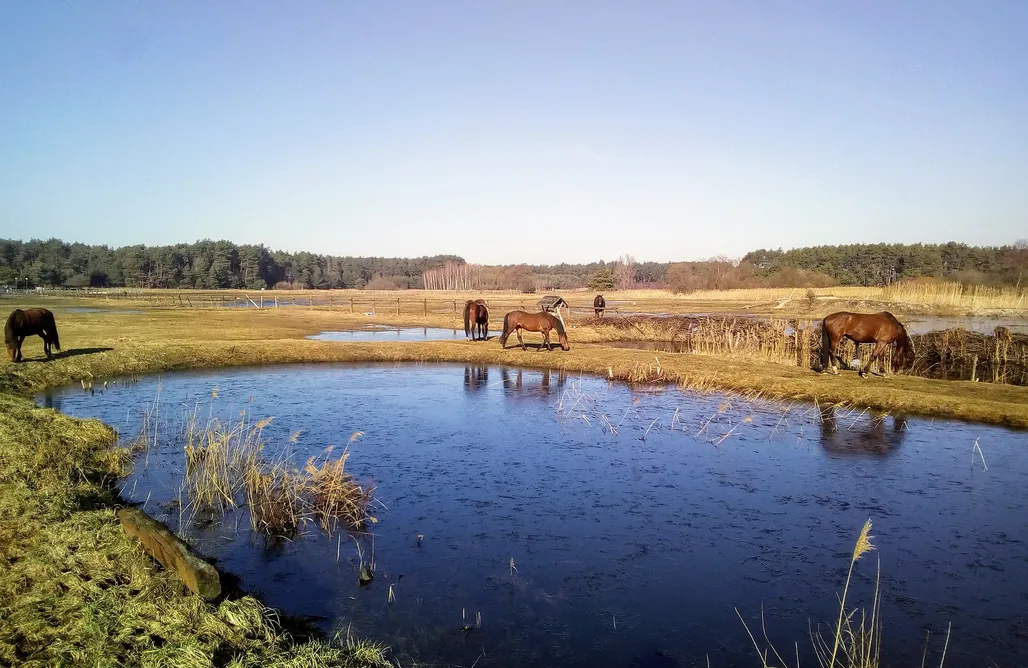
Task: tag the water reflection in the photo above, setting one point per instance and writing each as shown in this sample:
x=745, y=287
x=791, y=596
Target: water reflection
x=861, y=436
x=475, y=377
x=514, y=381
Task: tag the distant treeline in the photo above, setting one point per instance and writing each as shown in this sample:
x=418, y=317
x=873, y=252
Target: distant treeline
x=204, y=265
x=221, y=264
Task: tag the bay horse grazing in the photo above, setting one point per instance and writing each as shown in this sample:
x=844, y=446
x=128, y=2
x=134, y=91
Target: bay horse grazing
x=880, y=329
x=598, y=305
x=515, y=321
x=29, y=322
x=476, y=317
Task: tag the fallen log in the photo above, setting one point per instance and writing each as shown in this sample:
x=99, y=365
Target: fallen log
x=164, y=546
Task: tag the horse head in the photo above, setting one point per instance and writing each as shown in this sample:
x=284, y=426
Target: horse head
x=10, y=340
x=904, y=357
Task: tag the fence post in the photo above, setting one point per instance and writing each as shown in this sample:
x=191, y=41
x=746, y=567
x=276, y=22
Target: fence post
x=372, y=307
x=455, y=307
x=425, y=312
x=397, y=306
x=351, y=304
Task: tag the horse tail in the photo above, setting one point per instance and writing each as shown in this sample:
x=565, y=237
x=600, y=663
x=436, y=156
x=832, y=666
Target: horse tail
x=506, y=330
x=467, y=319
x=51, y=328
x=826, y=345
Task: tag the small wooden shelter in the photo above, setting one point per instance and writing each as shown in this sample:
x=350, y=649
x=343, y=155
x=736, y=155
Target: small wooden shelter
x=554, y=304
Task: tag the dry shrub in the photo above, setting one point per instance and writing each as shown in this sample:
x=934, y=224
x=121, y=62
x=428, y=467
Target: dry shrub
x=959, y=354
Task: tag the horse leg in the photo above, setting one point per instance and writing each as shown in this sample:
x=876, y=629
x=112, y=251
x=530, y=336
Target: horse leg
x=837, y=353
x=878, y=351
x=20, y=340
x=521, y=340
x=546, y=339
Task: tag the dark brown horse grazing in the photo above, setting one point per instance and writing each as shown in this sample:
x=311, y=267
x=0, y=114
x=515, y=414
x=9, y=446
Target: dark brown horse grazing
x=880, y=329
x=476, y=317
x=515, y=321
x=27, y=323
x=598, y=305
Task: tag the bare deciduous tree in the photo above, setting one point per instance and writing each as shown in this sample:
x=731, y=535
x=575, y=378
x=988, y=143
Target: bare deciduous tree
x=624, y=272
x=452, y=276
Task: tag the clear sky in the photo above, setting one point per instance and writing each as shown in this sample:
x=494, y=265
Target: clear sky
x=510, y=131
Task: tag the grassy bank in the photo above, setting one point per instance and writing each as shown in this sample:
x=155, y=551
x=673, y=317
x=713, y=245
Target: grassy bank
x=75, y=591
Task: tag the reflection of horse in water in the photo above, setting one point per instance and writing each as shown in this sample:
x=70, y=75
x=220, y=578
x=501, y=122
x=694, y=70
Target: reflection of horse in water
x=863, y=436
x=475, y=377
x=513, y=381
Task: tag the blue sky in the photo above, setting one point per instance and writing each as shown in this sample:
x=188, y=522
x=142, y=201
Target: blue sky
x=536, y=131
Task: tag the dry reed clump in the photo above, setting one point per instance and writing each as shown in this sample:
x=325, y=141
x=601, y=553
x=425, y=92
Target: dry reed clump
x=959, y=354
x=333, y=496
x=785, y=341
x=226, y=468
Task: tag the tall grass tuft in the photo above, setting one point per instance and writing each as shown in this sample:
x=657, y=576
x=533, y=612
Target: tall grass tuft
x=226, y=468
x=855, y=640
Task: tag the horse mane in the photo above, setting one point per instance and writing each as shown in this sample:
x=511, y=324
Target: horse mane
x=558, y=324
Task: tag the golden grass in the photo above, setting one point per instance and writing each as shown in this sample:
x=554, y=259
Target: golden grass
x=923, y=296
x=166, y=339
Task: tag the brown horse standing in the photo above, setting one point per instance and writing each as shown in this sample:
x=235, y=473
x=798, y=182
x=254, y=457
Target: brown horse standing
x=515, y=321
x=476, y=317
x=21, y=324
x=598, y=305
x=880, y=329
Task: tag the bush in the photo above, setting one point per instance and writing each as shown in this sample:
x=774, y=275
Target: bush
x=527, y=285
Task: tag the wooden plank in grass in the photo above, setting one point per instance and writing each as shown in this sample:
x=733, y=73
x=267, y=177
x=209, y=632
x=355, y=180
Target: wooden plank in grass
x=164, y=546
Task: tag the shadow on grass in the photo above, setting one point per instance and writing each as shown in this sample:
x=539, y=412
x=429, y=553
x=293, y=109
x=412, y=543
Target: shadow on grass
x=64, y=354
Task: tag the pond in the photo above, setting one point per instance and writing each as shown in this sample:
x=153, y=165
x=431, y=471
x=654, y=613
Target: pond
x=567, y=521
x=982, y=325
x=387, y=333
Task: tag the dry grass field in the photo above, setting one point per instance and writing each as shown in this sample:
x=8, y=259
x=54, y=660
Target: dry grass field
x=925, y=298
